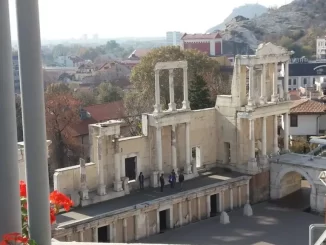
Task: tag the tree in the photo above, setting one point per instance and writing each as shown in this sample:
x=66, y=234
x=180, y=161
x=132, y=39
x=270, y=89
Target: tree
x=62, y=112
x=106, y=92
x=58, y=88
x=85, y=97
x=199, y=95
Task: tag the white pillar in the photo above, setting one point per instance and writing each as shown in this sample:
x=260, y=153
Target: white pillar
x=252, y=156
x=188, y=150
x=125, y=230
x=286, y=80
x=239, y=197
x=263, y=86
x=180, y=214
x=221, y=201
x=264, y=142
x=185, y=103
x=80, y=236
x=9, y=173
x=157, y=106
x=83, y=180
x=247, y=210
x=208, y=206
x=159, y=159
x=231, y=199
x=101, y=188
x=248, y=193
x=286, y=131
x=189, y=211
x=94, y=234
x=117, y=173
x=275, y=81
x=198, y=208
x=275, y=140
x=251, y=100
x=113, y=233
x=172, y=106
x=174, y=147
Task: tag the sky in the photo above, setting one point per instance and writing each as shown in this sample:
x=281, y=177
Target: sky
x=66, y=19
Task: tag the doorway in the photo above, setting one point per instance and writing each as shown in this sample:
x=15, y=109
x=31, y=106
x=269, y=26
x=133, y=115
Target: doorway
x=130, y=167
x=103, y=234
x=164, y=220
x=196, y=156
x=227, y=152
x=214, y=205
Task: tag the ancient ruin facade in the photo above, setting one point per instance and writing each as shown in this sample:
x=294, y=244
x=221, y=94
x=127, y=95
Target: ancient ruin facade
x=239, y=134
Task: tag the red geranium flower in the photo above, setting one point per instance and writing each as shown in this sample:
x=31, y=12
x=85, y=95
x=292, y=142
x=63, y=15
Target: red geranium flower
x=22, y=185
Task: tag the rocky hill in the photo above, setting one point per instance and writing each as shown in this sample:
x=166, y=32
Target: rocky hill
x=247, y=10
x=296, y=23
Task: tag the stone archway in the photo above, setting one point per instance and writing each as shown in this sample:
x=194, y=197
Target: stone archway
x=276, y=184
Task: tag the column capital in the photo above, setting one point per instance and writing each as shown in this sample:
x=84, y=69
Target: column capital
x=171, y=72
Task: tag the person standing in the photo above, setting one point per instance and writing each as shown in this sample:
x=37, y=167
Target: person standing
x=141, y=180
x=173, y=178
x=162, y=182
x=181, y=179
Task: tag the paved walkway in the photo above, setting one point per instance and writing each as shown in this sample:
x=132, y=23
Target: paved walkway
x=270, y=225
x=142, y=196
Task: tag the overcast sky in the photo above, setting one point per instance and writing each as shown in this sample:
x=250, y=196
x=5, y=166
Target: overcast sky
x=65, y=19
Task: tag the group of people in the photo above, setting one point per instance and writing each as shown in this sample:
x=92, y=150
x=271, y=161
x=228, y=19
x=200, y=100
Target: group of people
x=172, y=180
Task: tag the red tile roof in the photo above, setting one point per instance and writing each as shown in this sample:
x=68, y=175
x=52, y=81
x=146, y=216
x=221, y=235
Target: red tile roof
x=307, y=107
x=139, y=53
x=200, y=36
x=81, y=128
x=107, y=111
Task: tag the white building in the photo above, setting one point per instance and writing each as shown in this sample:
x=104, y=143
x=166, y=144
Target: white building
x=307, y=118
x=321, y=48
x=173, y=38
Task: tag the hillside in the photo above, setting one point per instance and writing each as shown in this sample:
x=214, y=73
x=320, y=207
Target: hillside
x=247, y=10
x=296, y=23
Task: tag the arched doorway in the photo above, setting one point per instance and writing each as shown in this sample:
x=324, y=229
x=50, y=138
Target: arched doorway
x=293, y=188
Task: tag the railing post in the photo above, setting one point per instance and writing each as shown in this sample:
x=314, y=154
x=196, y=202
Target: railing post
x=10, y=216
x=34, y=120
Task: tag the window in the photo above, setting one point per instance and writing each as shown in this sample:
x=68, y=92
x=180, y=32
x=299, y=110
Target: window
x=305, y=81
x=314, y=80
x=290, y=81
x=293, y=120
x=290, y=89
x=294, y=81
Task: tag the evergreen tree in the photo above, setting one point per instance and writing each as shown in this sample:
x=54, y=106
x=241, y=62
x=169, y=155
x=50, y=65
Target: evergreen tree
x=199, y=95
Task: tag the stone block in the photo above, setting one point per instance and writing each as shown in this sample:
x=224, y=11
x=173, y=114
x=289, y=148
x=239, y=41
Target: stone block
x=247, y=210
x=117, y=186
x=224, y=218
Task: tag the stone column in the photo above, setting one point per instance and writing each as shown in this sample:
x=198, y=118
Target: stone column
x=208, y=206
x=263, y=86
x=224, y=218
x=189, y=211
x=286, y=132
x=275, y=140
x=231, y=199
x=198, y=208
x=286, y=80
x=125, y=230
x=157, y=106
x=113, y=233
x=101, y=188
x=275, y=81
x=94, y=234
x=251, y=100
x=172, y=106
x=159, y=159
x=239, y=197
x=117, y=165
x=187, y=169
x=180, y=214
x=247, y=208
x=263, y=158
x=185, y=103
x=68, y=238
x=83, y=181
x=174, y=148
x=221, y=201
x=252, y=164
x=80, y=236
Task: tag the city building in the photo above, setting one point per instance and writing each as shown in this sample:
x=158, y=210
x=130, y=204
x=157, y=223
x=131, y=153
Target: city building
x=173, y=38
x=321, y=48
x=212, y=44
x=68, y=61
x=15, y=66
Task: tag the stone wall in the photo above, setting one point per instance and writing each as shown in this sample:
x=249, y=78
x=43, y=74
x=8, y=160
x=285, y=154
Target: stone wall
x=132, y=223
x=259, y=187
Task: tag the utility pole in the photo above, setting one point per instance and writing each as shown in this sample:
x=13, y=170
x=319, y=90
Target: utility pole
x=10, y=214
x=31, y=82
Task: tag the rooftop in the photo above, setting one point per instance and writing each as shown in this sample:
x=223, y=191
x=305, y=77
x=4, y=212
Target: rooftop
x=107, y=111
x=306, y=107
x=200, y=36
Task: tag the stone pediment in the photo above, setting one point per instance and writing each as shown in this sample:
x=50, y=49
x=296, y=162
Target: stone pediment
x=271, y=49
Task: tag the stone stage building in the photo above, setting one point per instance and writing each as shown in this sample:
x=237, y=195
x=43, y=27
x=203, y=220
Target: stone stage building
x=238, y=134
